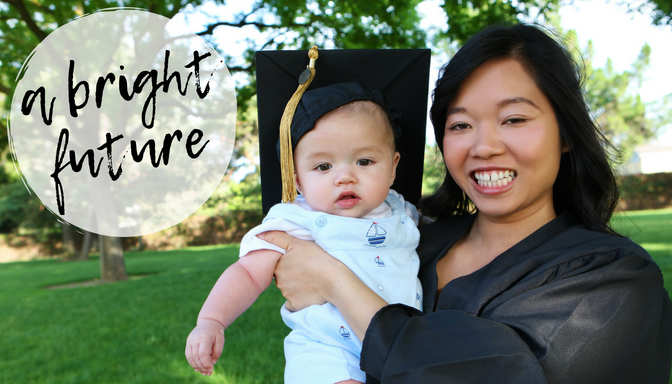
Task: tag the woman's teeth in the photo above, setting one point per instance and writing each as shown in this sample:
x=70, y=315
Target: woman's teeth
x=494, y=179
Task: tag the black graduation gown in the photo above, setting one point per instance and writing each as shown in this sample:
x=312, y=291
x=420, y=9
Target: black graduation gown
x=565, y=305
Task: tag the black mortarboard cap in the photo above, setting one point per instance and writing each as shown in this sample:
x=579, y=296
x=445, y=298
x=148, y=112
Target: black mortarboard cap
x=402, y=76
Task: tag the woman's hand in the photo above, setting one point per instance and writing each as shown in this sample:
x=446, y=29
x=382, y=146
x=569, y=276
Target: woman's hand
x=304, y=273
x=307, y=275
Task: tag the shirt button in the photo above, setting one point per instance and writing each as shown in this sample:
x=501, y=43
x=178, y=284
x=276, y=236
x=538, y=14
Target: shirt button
x=415, y=260
x=403, y=218
x=380, y=287
x=321, y=221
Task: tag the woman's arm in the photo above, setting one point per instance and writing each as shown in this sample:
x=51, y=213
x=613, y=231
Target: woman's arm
x=600, y=317
x=308, y=275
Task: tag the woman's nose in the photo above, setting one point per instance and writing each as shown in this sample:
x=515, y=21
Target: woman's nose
x=487, y=142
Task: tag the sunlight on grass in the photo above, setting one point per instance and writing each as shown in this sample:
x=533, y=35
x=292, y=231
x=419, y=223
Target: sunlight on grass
x=658, y=247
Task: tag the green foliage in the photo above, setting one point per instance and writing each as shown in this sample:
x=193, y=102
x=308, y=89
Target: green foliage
x=434, y=170
x=237, y=196
x=349, y=24
x=615, y=102
x=299, y=24
x=653, y=191
x=466, y=18
x=26, y=23
x=660, y=10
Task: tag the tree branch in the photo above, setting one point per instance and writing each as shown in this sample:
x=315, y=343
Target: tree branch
x=5, y=89
x=25, y=16
x=239, y=68
x=211, y=28
x=242, y=22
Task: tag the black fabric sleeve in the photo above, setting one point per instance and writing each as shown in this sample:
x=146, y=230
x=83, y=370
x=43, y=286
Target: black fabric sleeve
x=404, y=346
x=600, y=318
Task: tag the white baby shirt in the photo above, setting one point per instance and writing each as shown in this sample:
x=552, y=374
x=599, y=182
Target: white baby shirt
x=379, y=248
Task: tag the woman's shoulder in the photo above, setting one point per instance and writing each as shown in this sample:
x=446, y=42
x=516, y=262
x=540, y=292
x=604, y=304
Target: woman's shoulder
x=577, y=241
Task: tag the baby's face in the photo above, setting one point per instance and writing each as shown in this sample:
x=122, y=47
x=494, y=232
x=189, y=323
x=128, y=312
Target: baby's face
x=346, y=164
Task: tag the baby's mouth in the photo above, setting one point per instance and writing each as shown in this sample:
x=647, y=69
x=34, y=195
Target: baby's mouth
x=494, y=178
x=347, y=199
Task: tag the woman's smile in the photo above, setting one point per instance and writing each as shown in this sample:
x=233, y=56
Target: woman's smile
x=494, y=179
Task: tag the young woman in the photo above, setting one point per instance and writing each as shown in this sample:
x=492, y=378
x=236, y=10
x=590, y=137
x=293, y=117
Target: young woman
x=534, y=286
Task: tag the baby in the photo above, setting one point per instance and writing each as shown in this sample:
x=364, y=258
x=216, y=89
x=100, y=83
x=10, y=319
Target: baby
x=345, y=162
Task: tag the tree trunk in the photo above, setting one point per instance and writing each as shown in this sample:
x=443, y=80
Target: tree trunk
x=112, y=267
x=68, y=242
x=86, y=246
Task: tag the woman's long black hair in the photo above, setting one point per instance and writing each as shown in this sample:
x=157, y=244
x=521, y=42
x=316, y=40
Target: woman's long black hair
x=586, y=185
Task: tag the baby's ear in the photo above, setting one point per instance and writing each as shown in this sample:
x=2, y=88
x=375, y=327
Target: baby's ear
x=395, y=162
x=296, y=182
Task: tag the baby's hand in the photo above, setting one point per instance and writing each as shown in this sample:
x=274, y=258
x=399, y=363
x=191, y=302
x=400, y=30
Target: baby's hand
x=204, y=345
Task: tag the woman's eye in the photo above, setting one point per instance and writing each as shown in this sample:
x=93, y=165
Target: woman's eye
x=458, y=127
x=364, y=162
x=515, y=120
x=323, y=167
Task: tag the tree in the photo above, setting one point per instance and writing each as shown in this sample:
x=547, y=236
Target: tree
x=466, y=18
x=280, y=24
x=614, y=100
x=24, y=25
x=297, y=23
x=660, y=10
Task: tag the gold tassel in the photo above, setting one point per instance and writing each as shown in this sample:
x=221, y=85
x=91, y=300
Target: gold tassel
x=286, y=155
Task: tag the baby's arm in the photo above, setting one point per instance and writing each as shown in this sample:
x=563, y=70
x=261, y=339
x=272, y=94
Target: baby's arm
x=235, y=291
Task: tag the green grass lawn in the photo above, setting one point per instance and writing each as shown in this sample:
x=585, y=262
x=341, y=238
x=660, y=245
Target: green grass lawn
x=134, y=331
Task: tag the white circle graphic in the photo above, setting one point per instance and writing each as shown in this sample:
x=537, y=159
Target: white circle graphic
x=122, y=125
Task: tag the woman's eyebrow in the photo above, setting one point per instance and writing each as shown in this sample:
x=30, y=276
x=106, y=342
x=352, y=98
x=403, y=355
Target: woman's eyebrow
x=456, y=110
x=501, y=104
x=515, y=100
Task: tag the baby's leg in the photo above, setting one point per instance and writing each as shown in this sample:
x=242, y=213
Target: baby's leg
x=312, y=362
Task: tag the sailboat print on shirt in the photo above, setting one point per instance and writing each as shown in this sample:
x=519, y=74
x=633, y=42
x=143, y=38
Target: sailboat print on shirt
x=376, y=234
x=344, y=333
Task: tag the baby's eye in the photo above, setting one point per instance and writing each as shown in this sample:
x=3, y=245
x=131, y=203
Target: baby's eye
x=364, y=162
x=323, y=167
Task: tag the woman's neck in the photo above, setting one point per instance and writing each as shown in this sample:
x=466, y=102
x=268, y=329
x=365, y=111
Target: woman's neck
x=494, y=235
x=488, y=238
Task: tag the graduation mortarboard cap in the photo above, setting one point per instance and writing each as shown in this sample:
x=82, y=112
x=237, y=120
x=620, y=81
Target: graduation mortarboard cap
x=402, y=76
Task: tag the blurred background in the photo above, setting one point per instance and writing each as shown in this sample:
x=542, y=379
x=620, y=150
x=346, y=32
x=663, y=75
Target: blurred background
x=64, y=318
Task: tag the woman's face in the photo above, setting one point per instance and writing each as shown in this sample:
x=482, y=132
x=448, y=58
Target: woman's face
x=502, y=144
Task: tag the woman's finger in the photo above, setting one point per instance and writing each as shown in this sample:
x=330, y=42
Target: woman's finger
x=281, y=239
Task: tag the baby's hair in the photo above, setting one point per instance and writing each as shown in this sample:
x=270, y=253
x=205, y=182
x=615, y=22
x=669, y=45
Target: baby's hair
x=370, y=108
